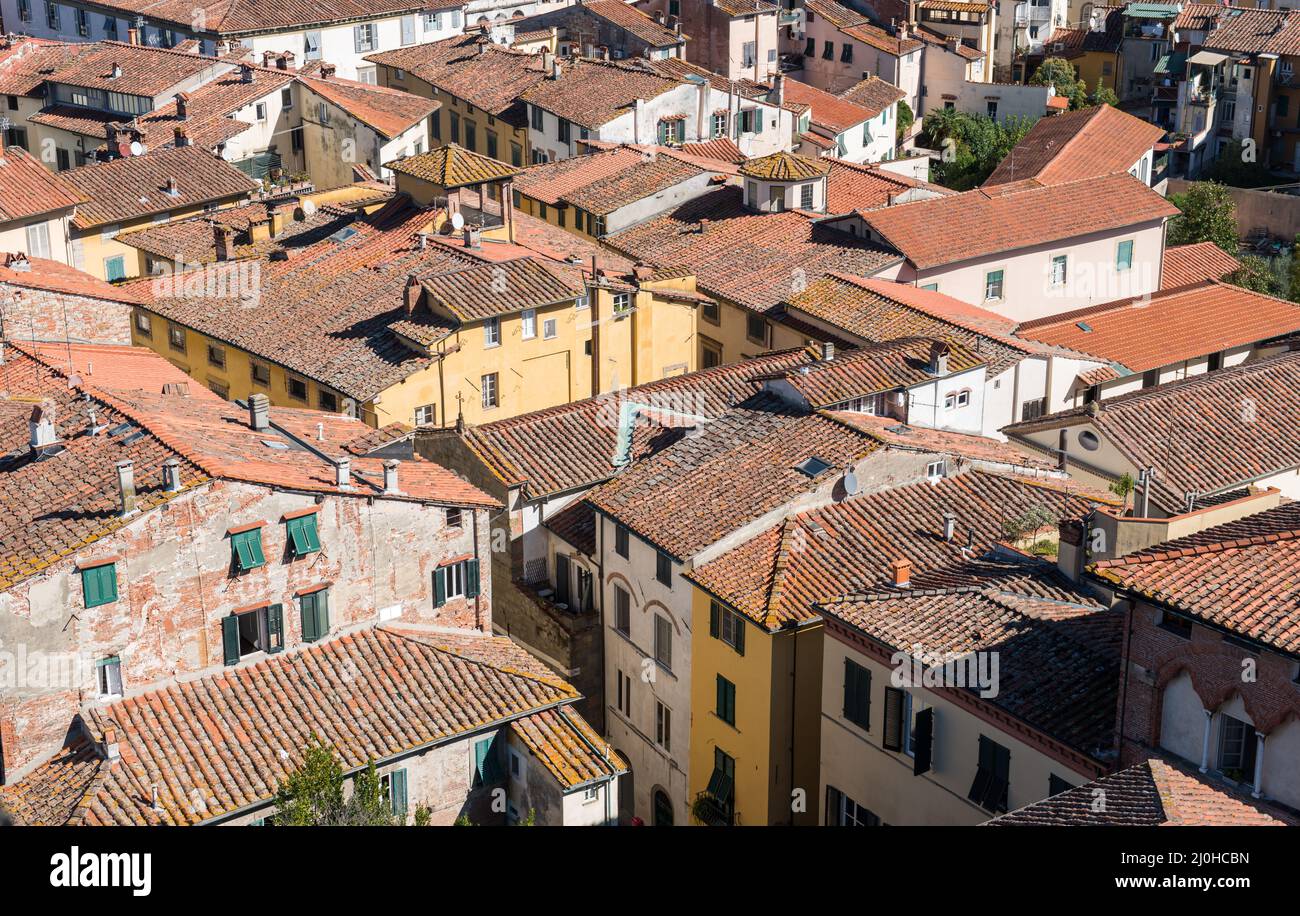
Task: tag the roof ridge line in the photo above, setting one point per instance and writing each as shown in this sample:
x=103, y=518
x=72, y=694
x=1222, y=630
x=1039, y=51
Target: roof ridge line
x=557, y=683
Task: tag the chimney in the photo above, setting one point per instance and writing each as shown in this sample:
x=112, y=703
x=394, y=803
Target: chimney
x=483, y=44
x=246, y=73
x=221, y=241
x=111, y=749
x=172, y=475
x=126, y=486
x=276, y=217
x=949, y=525
x=413, y=291
x=116, y=71
x=548, y=59
x=704, y=226
x=285, y=61
x=259, y=406
x=40, y=427
x=343, y=472
x=183, y=105
x=828, y=350
x=180, y=137
x=604, y=52
x=173, y=187
x=938, y=358
x=659, y=16
x=133, y=36
x=390, y=475
x=777, y=95
x=901, y=573
x=326, y=71
x=268, y=57
x=259, y=230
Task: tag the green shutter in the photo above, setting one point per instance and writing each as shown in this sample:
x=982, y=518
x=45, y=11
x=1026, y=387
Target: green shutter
x=247, y=549
x=740, y=635
x=485, y=761
x=439, y=587
x=275, y=628
x=99, y=584
x=397, y=792
x=471, y=578
x=323, y=613
x=715, y=624
x=230, y=639
x=303, y=535
x=307, y=610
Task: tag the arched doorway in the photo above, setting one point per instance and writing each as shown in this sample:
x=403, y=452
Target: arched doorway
x=626, y=795
x=661, y=809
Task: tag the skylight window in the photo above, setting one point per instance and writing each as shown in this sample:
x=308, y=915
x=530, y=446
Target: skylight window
x=813, y=466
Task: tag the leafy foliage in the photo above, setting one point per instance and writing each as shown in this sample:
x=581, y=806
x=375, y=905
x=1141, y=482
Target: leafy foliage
x=1104, y=95
x=972, y=145
x=313, y=795
x=906, y=118
x=1208, y=215
x=1236, y=166
x=1059, y=73
x=1123, y=487
x=1270, y=277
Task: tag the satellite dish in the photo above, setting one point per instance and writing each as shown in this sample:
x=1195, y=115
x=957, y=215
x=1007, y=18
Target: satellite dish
x=851, y=485
x=457, y=221
x=137, y=148
x=308, y=209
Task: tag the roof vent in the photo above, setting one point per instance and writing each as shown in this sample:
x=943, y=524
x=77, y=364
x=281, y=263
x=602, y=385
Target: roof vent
x=343, y=471
x=259, y=406
x=390, y=475
x=813, y=465
x=900, y=572
x=172, y=475
x=126, y=486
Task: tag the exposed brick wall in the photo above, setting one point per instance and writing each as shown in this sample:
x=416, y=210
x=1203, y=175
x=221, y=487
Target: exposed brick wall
x=176, y=582
x=31, y=314
x=1154, y=657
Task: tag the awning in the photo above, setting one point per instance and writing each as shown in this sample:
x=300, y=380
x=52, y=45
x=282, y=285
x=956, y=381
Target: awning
x=1208, y=58
x=1151, y=10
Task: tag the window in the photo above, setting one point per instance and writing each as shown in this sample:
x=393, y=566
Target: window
x=857, y=694
x=622, y=302
x=624, y=696
x=143, y=324
x=722, y=784
x=806, y=196
x=393, y=787
x=622, y=610
x=1173, y=623
x=1150, y=378
x=842, y=811
x=538, y=117
x=549, y=329
x=516, y=155
x=1058, y=270
x=846, y=53
x=302, y=534
x=728, y=626
x=621, y=541
x=488, y=391
x=314, y=608
x=454, y=518
x=671, y=131
x=471, y=135
x=25, y=10
x=710, y=312
x=453, y=124
x=719, y=124
x=663, y=726
x=1056, y=785
x=993, y=284
x=38, y=240
x=487, y=768
x=426, y=415
x=363, y=37
x=828, y=50
x=934, y=470
x=258, y=630
x=664, y=568
x=259, y=111
x=898, y=720
x=492, y=332
x=1124, y=255
x=311, y=45
x=455, y=580
x=991, y=109
x=992, y=777
x=491, y=138
x=115, y=268
x=108, y=673
x=52, y=13
x=664, y=641
x=296, y=387
x=216, y=356
x=748, y=54
x=563, y=130
x=756, y=329
x=99, y=584
x=327, y=401
x=286, y=98
x=432, y=22
x=726, y=705
x=246, y=549
x=408, y=30
x=1237, y=746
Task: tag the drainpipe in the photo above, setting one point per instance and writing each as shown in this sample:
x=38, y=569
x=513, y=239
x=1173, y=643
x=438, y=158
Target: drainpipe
x=478, y=599
x=794, y=691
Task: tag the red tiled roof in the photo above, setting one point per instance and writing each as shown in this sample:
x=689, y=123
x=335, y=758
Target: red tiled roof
x=114, y=367
x=55, y=277
x=573, y=445
x=852, y=186
x=1254, y=31
x=634, y=22
x=1241, y=577
x=26, y=63
x=847, y=547
x=28, y=188
x=136, y=186
x=208, y=758
x=471, y=293
x=635, y=182
x=1210, y=433
x=240, y=17
x=873, y=94
x=1059, y=655
x=575, y=524
x=144, y=69
x=730, y=472
x=1076, y=145
x=210, y=108
x=835, y=113
x=1170, y=326
x=1006, y=217
x=1154, y=793
x=591, y=93
x=192, y=241
x=388, y=111
x=895, y=434
x=1188, y=264
x=549, y=181
x=747, y=257
x=565, y=744
x=723, y=150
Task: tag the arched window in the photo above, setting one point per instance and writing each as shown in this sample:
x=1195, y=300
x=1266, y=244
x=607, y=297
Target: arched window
x=663, y=809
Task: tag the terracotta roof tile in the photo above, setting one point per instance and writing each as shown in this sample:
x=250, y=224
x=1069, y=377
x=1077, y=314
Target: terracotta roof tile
x=26, y=63
x=873, y=94
x=136, y=186
x=550, y=181
x=591, y=93
x=388, y=111
x=852, y=186
x=1254, y=31
x=238, y=17
x=1170, y=326
x=54, y=277
x=209, y=758
x=1076, y=145
x=28, y=188
x=1185, y=265
x=784, y=167
x=1153, y=793
x=635, y=182
x=634, y=22
x=1006, y=217
x=565, y=744
x=142, y=69
x=453, y=166
x=892, y=433
x=575, y=524
x=471, y=293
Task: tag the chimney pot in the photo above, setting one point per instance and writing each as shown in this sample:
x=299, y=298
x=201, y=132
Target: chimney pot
x=180, y=137
x=828, y=350
x=939, y=358
x=221, y=240
x=901, y=572
x=343, y=472
x=390, y=475
x=949, y=525
x=259, y=412
x=126, y=486
x=172, y=475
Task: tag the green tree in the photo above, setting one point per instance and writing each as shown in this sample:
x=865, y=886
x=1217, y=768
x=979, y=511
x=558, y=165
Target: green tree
x=1059, y=73
x=1123, y=487
x=313, y=794
x=1208, y=215
x=1104, y=95
x=906, y=118
x=1293, y=273
x=1259, y=274
x=970, y=146
x=1236, y=166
